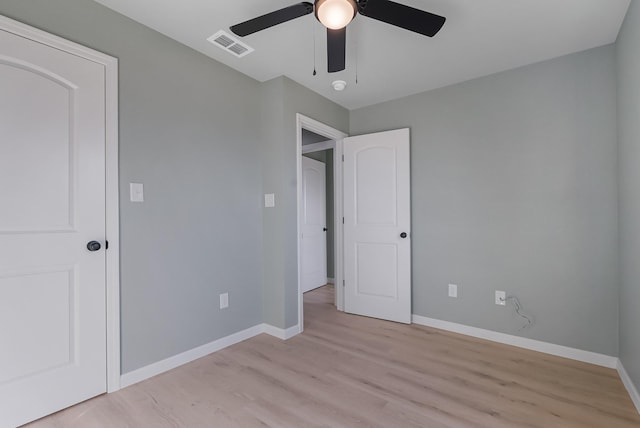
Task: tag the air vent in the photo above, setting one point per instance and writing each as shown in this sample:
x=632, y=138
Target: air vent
x=226, y=41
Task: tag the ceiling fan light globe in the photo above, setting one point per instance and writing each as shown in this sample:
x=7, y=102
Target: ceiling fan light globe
x=335, y=14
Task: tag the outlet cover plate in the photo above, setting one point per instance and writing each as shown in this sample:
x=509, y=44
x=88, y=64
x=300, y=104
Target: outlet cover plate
x=501, y=298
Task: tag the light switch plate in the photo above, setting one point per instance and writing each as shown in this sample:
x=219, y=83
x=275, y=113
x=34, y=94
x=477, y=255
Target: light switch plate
x=453, y=290
x=269, y=200
x=136, y=192
x=224, y=300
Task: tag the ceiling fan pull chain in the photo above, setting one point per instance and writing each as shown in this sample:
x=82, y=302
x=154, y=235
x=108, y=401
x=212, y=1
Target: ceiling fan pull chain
x=356, y=38
x=313, y=30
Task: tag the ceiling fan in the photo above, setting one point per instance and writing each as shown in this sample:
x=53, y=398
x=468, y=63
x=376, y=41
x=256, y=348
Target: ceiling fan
x=336, y=14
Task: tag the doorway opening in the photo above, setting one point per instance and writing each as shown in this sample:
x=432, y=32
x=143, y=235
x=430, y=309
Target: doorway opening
x=324, y=142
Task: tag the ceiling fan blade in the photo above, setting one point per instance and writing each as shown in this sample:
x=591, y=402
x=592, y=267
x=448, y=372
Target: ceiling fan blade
x=402, y=16
x=336, y=46
x=270, y=19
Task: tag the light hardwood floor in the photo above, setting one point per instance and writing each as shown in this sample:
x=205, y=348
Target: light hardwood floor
x=350, y=371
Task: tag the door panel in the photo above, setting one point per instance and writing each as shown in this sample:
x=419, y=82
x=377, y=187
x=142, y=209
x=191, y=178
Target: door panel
x=52, y=188
x=376, y=183
x=44, y=199
x=314, y=221
x=376, y=270
x=43, y=345
x=376, y=213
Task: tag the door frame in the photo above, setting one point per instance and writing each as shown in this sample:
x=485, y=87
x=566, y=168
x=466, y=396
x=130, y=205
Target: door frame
x=304, y=122
x=112, y=226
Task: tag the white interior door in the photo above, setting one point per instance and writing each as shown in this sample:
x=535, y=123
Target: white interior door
x=314, y=224
x=377, y=249
x=52, y=196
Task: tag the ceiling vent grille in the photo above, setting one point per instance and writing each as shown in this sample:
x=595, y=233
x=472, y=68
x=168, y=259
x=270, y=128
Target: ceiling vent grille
x=226, y=41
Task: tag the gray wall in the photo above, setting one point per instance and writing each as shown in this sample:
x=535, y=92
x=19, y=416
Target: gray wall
x=283, y=98
x=628, y=46
x=273, y=225
x=514, y=187
x=198, y=233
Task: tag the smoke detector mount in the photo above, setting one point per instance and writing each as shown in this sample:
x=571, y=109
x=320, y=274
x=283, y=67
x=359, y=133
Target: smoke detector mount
x=339, y=85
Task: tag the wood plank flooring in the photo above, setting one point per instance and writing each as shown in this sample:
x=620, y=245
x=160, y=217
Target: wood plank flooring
x=350, y=371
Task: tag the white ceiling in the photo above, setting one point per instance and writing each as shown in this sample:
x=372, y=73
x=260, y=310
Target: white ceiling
x=480, y=37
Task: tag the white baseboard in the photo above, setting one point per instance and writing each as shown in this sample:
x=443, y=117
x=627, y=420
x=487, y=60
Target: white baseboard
x=170, y=363
x=628, y=383
x=281, y=333
x=331, y=280
x=167, y=364
x=521, y=342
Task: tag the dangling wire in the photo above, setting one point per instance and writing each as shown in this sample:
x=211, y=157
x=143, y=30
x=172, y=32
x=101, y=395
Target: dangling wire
x=520, y=312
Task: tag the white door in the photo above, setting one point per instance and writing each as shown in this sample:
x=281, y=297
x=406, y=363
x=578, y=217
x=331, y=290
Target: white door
x=52, y=203
x=314, y=224
x=377, y=249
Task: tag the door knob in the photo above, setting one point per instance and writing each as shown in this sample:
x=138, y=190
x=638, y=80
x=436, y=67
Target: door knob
x=324, y=229
x=93, y=246
x=403, y=235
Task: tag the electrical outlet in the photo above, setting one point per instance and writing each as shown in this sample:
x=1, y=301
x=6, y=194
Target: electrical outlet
x=501, y=298
x=453, y=290
x=224, y=300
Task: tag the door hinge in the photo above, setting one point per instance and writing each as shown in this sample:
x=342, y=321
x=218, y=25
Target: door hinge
x=343, y=283
x=342, y=220
x=342, y=158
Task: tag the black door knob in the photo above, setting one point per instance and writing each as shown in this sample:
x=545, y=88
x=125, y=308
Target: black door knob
x=324, y=229
x=403, y=235
x=93, y=246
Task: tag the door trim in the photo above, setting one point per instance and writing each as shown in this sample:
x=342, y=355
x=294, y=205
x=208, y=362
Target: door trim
x=112, y=229
x=318, y=147
x=304, y=122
